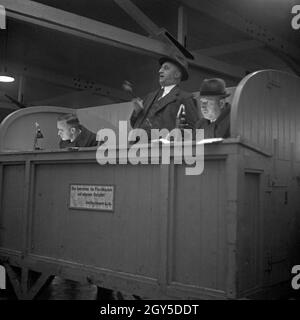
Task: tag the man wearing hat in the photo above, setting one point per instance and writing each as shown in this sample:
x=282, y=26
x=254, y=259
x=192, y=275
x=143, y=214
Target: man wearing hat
x=214, y=112
x=159, y=108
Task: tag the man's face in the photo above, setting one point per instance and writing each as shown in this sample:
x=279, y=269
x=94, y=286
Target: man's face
x=210, y=107
x=64, y=130
x=169, y=74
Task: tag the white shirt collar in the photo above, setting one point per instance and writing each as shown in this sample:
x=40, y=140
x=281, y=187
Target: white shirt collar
x=167, y=89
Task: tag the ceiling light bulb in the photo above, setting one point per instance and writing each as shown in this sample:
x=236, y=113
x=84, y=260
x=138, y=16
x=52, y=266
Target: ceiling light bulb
x=4, y=78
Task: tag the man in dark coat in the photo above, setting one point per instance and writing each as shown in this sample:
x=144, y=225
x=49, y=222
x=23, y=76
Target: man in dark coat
x=213, y=110
x=73, y=134
x=158, y=110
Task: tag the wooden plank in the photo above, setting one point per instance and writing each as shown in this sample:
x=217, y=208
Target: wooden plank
x=31, y=206
x=248, y=233
x=164, y=207
x=126, y=239
x=26, y=208
x=198, y=231
x=118, y=280
x=232, y=178
x=261, y=223
x=12, y=206
x=170, y=224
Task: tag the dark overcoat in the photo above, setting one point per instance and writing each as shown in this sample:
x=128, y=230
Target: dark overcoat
x=160, y=114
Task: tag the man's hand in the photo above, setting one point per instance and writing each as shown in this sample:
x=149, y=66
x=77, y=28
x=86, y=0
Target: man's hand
x=138, y=105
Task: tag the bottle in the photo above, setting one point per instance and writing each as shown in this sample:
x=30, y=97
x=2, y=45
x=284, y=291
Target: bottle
x=38, y=135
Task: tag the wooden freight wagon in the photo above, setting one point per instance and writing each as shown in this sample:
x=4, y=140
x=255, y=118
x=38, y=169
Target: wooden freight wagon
x=231, y=232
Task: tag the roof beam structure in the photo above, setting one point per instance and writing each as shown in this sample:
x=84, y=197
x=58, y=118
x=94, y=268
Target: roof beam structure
x=146, y=23
x=59, y=20
x=75, y=83
x=63, y=21
x=218, y=66
x=257, y=32
x=132, y=10
x=230, y=48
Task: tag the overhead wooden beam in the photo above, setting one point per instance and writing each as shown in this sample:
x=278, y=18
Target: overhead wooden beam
x=247, y=26
x=59, y=20
x=63, y=21
x=229, y=48
x=182, y=25
x=21, y=88
x=219, y=66
x=74, y=83
x=5, y=103
x=159, y=33
x=292, y=64
x=138, y=15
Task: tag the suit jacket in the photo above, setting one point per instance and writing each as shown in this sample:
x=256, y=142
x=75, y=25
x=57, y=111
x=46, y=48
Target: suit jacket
x=218, y=129
x=159, y=114
x=86, y=138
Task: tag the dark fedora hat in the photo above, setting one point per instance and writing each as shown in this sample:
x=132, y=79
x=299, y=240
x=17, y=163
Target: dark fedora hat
x=214, y=87
x=179, y=61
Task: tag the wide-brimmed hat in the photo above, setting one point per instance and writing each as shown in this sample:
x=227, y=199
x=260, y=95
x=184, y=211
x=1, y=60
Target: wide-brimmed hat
x=179, y=61
x=214, y=87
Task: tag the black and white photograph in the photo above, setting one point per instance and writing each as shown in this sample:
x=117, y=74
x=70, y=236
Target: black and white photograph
x=149, y=150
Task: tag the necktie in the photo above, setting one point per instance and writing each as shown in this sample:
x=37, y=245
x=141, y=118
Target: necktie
x=160, y=93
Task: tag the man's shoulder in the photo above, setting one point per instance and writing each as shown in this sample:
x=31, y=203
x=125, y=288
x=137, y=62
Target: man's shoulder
x=87, y=133
x=202, y=123
x=85, y=130
x=65, y=144
x=86, y=138
x=184, y=94
x=226, y=112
